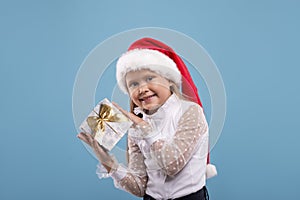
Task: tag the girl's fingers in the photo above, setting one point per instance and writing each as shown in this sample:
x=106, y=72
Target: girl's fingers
x=83, y=136
x=99, y=149
x=90, y=138
x=102, y=155
x=126, y=113
x=135, y=118
x=96, y=146
x=130, y=115
x=121, y=109
x=87, y=138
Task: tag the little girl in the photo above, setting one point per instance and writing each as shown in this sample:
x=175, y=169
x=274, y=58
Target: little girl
x=168, y=143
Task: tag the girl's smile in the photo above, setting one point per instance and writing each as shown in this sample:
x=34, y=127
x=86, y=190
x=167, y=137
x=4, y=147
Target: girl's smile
x=147, y=98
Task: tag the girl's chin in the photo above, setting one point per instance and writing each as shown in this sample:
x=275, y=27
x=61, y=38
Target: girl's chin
x=151, y=109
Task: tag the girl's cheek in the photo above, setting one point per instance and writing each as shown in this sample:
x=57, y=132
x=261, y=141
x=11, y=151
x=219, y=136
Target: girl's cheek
x=132, y=92
x=136, y=102
x=134, y=97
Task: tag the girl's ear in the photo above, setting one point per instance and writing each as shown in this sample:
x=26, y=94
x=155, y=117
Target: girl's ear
x=171, y=84
x=172, y=88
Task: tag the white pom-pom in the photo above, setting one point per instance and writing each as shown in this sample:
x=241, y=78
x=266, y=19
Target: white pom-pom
x=211, y=171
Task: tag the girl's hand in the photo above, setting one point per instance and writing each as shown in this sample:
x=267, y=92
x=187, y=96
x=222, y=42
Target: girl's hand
x=130, y=115
x=139, y=123
x=101, y=153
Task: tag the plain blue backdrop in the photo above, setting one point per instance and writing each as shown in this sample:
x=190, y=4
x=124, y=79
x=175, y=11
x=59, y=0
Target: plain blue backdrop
x=255, y=45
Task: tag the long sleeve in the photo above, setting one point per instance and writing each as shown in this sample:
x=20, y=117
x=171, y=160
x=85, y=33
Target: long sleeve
x=173, y=154
x=134, y=178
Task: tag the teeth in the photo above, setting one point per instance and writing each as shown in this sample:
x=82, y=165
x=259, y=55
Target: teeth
x=145, y=98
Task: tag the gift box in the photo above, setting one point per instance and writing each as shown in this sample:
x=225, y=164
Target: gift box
x=106, y=124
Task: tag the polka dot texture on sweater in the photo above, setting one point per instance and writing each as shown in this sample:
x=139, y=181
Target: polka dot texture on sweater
x=172, y=155
x=136, y=178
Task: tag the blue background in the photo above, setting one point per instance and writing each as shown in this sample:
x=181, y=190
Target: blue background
x=255, y=45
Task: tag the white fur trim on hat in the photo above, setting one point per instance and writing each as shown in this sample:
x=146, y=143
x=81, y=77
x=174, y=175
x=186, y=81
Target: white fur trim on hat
x=211, y=171
x=153, y=60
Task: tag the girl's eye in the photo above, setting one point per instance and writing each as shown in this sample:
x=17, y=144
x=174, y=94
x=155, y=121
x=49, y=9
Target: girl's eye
x=149, y=78
x=133, y=84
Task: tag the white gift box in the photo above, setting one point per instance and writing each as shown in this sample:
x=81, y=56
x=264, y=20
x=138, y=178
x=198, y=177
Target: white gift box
x=106, y=124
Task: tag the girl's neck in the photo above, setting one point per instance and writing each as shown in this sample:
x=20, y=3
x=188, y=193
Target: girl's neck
x=151, y=112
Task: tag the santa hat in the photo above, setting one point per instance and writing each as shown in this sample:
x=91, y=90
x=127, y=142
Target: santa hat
x=148, y=53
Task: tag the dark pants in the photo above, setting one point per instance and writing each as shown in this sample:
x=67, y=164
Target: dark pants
x=199, y=195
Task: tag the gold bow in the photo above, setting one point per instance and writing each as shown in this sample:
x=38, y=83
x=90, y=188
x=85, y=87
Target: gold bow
x=105, y=114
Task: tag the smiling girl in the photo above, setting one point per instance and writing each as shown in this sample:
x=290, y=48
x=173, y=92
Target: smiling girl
x=168, y=143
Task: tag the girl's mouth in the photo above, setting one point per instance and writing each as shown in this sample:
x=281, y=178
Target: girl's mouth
x=147, y=98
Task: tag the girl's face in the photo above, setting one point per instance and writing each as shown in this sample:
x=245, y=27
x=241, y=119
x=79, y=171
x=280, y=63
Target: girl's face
x=147, y=89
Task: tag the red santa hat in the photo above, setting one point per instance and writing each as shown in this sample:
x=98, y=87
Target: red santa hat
x=148, y=53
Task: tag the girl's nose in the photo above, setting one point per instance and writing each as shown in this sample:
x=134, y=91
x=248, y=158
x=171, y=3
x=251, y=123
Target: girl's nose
x=143, y=88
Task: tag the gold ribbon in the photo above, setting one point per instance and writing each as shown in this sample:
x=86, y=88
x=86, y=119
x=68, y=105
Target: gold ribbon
x=105, y=114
